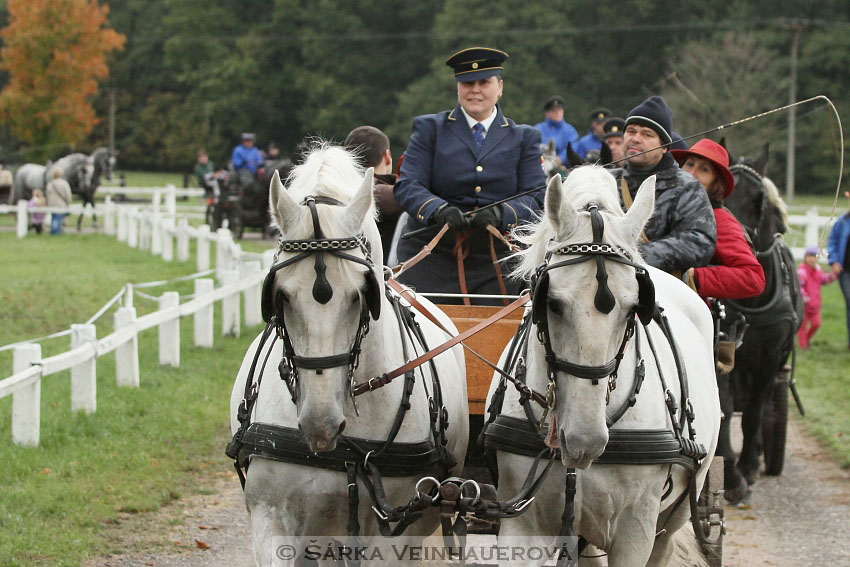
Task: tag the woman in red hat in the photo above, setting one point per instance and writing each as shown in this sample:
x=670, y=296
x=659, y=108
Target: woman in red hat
x=734, y=272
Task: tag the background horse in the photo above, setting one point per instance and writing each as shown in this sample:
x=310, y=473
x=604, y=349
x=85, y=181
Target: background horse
x=322, y=302
x=585, y=310
x=773, y=318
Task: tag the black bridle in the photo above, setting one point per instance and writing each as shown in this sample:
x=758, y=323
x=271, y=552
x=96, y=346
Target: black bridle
x=604, y=301
x=272, y=303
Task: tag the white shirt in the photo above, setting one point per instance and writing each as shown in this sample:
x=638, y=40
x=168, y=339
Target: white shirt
x=487, y=122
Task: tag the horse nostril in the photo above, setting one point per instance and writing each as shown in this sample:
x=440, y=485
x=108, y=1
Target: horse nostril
x=341, y=427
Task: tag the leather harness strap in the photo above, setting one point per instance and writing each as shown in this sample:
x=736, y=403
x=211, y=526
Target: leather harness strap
x=427, y=249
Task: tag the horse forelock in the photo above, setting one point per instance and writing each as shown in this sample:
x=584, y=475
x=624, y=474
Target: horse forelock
x=583, y=186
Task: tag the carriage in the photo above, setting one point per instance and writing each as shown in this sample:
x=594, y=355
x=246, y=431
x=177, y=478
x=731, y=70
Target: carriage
x=332, y=308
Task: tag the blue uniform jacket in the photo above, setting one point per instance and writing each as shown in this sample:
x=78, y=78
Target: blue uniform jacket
x=562, y=132
x=443, y=165
x=587, y=143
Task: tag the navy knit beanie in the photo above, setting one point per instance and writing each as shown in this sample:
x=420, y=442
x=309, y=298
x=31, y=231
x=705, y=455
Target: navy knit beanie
x=654, y=113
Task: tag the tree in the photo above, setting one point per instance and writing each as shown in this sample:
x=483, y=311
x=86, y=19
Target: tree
x=54, y=53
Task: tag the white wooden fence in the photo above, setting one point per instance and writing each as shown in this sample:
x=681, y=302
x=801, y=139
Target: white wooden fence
x=29, y=368
x=160, y=231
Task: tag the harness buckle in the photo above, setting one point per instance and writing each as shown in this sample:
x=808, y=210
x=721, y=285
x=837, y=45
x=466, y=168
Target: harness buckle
x=523, y=504
x=381, y=516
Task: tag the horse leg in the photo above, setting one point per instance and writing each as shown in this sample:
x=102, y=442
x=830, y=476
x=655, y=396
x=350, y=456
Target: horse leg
x=750, y=461
x=635, y=538
x=736, y=487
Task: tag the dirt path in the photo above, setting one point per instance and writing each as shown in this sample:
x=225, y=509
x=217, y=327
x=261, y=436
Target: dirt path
x=799, y=518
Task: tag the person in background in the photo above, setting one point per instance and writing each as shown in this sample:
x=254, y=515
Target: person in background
x=203, y=167
x=6, y=181
x=554, y=128
x=839, y=260
x=37, y=218
x=457, y=162
x=811, y=279
x=681, y=231
x=247, y=161
x=593, y=139
x=58, y=195
x=372, y=148
x=613, y=137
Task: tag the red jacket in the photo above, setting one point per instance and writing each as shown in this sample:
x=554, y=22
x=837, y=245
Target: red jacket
x=734, y=272
x=810, y=281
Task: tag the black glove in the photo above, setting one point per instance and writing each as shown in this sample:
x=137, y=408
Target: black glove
x=451, y=215
x=491, y=215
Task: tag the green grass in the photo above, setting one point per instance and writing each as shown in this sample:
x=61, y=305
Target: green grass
x=154, y=179
x=823, y=379
x=143, y=448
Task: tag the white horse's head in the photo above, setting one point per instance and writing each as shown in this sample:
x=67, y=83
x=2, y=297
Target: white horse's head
x=324, y=299
x=584, y=317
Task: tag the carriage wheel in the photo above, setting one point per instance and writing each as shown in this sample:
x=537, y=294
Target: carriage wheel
x=209, y=217
x=710, y=510
x=774, y=426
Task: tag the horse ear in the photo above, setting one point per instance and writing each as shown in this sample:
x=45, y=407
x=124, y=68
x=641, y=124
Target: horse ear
x=722, y=144
x=561, y=213
x=641, y=209
x=760, y=164
x=605, y=156
x=360, y=204
x=572, y=157
x=551, y=147
x=283, y=209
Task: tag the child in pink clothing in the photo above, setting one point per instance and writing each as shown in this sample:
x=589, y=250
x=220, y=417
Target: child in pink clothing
x=811, y=279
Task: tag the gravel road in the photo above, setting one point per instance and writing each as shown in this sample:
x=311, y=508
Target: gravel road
x=798, y=518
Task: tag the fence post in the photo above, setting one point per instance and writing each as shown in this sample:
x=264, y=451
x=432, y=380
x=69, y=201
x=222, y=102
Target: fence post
x=133, y=227
x=167, y=229
x=253, y=312
x=183, y=239
x=222, y=251
x=26, y=401
x=127, y=354
x=230, y=316
x=202, y=254
x=170, y=200
x=23, y=219
x=204, y=316
x=144, y=230
x=84, y=375
x=812, y=227
x=109, y=216
x=122, y=224
x=156, y=234
x=169, y=331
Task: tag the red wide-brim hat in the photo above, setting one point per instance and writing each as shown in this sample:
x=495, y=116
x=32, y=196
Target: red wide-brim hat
x=713, y=152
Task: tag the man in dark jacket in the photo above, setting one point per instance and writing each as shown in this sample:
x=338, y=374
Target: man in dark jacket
x=373, y=150
x=681, y=232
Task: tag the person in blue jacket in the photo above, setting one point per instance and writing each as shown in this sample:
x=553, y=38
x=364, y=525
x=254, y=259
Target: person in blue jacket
x=247, y=160
x=839, y=260
x=458, y=161
x=554, y=128
x=592, y=141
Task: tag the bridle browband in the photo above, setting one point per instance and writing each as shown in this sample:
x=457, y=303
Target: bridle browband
x=322, y=292
x=603, y=301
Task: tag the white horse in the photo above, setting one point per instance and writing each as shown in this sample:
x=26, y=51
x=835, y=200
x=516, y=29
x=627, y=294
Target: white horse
x=324, y=316
x=626, y=510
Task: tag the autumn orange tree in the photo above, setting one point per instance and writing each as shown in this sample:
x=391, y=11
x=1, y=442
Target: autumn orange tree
x=54, y=52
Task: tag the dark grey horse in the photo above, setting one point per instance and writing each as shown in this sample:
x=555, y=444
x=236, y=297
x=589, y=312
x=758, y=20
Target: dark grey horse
x=773, y=318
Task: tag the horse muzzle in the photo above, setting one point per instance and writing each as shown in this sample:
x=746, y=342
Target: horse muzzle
x=580, y=449
x=322, y=438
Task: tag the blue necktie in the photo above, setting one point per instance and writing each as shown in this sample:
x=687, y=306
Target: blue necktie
x=478, y=134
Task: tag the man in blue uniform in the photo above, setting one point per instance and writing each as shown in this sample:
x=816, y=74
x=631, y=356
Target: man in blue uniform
x=458, y=161
x=554, y=127
x=247, y=160
x=593, y=139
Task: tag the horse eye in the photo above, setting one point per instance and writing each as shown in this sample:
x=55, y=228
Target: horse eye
x=555, y=307
x=355, y=297
x=283, y=297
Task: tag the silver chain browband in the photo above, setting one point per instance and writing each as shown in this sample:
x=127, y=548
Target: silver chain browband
x=598, y=248
x=318, y=244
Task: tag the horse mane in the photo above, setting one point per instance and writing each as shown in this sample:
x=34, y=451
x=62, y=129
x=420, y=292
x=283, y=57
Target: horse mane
x=775, y=199
x=584, y=185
